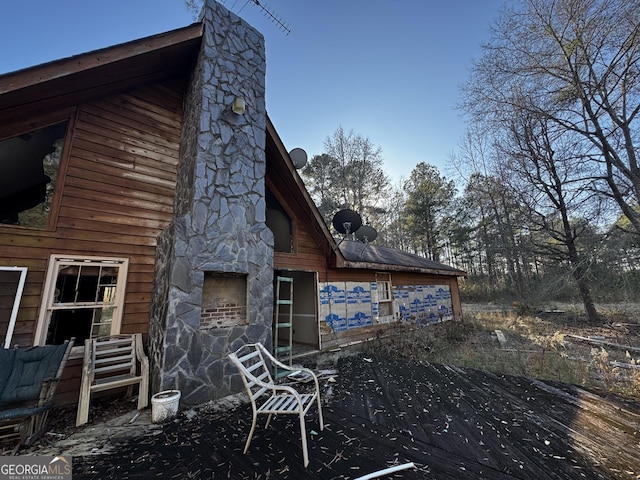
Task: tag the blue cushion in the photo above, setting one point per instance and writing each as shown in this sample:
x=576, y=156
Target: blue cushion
x=7, y=357
x=31, y=367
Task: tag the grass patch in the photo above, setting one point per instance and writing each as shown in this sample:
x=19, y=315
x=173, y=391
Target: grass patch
x=538, y=345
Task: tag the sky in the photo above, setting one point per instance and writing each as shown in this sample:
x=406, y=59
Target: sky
x=388, y=70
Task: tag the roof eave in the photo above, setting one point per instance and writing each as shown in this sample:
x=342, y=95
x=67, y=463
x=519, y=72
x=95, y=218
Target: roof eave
x=403, y=268
x=82, y=78
x=46, y=72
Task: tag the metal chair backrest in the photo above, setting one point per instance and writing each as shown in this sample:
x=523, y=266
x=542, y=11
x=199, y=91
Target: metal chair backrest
x=255, y=369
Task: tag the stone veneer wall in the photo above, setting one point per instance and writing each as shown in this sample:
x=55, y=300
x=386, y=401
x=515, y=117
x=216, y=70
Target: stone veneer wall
x=219, y=224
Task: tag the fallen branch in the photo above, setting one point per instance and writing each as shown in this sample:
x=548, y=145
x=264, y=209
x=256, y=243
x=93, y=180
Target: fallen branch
x=625, y=365
x=604, y=343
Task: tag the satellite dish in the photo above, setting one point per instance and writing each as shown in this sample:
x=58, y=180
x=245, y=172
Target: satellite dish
x=347, y=221
x=298, y=157
x=366, y=234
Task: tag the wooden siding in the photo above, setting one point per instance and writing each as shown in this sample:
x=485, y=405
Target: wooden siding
x=355, y=335
x=86, y=77
x=312, y=253
x=114, y=193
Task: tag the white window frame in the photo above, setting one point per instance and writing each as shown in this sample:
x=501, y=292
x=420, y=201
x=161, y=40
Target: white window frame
x=16, y=301
x=48, y=305
x=384, y=286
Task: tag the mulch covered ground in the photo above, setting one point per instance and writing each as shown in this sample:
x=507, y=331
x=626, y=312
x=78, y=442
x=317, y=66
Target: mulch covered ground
x=452, y=423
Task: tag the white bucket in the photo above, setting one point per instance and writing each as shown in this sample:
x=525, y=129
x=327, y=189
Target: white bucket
x=164, y=405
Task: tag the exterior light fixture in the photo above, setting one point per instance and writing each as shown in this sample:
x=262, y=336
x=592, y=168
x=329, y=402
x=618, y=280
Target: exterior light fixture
x=238, y=106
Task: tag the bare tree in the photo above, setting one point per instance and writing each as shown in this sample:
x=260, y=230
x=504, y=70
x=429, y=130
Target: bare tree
x=392, y=230
x=496, y=208
x=320, y=175
x=359, y=181
x=547, y=169
x=575, y=63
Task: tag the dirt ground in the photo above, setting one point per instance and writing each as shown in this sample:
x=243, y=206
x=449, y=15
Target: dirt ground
x=554, y=343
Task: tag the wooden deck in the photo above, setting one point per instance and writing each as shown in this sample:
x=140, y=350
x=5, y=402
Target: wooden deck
x=452, y=423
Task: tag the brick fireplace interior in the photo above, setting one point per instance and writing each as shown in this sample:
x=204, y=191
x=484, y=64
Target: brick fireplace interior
x=224, y=300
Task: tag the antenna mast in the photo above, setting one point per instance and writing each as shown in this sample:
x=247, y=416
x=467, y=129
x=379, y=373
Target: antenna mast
x=273, y=17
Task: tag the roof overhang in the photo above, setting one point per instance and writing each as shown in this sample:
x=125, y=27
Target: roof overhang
x=86, y=76
x=403, y=268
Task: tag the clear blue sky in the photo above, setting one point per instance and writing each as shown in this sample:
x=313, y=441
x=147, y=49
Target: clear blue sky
x=389, y=70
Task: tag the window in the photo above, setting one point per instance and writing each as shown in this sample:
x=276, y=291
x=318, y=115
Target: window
x=83, y=299
x=384, y=291
x=385, y=306
x=29, y=165
x=279, y=221
x=11, y=286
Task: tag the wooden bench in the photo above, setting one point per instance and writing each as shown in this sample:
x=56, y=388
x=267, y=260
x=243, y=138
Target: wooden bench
x=112, y=362
x=28, y=381
x=254, y=363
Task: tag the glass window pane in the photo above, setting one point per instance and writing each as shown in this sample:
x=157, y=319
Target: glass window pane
x=383, y=291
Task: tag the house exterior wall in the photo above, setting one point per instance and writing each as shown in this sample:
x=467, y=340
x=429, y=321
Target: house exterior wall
x=168, y=177
x=406, y=278
x=310, y=249
x=219, y=225
x=350, y=308
x=115, y=193
x=359, y=316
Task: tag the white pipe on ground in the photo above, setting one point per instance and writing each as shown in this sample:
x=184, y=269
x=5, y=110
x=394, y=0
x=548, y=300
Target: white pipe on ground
x=387, y=471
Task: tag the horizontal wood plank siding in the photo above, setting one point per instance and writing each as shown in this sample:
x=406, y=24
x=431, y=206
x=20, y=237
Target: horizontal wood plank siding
x=339, y=339
x=116, y=197
x=350, y=275
x=300, y=260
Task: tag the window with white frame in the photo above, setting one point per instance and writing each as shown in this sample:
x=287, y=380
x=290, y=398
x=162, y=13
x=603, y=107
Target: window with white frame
x=384, y=291
x=84, y=298
x=12, y=281
x=385, y=306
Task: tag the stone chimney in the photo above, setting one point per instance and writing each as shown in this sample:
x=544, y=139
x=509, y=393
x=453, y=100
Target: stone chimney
x=214, y=269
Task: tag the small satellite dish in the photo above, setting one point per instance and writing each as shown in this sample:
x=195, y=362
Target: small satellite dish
x=366, y=234
x=298, y=157
x=347, y=221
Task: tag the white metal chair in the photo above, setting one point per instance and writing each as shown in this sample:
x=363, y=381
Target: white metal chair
x=254, y=362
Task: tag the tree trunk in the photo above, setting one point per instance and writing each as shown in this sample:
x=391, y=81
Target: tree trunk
x=579, y=274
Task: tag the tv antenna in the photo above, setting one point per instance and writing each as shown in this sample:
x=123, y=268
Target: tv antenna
x=267, y=11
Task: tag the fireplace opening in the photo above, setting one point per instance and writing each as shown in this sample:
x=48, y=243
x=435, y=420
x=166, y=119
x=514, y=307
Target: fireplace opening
x=224, y=300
